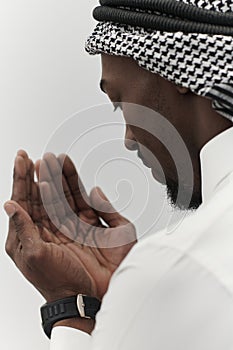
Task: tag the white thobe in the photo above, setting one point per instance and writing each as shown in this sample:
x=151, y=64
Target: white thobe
x=174, y=291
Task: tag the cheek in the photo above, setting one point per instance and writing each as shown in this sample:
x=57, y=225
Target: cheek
x=149, y=145
x=155, y=152
x=154, y=134
x=147, y=126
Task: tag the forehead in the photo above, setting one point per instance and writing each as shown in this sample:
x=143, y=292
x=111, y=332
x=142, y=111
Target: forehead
x=116, y=60
x=112, y=64
x=123, y=71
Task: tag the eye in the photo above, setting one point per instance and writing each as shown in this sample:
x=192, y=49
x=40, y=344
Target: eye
x=117, y=105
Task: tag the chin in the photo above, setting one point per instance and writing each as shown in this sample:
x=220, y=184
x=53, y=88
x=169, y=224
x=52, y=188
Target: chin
x=186, y=201
x=158, y=176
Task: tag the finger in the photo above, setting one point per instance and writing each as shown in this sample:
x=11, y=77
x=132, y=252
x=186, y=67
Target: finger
x=77, y=190
x=44, y=218
x=39, y=213
x=29, y=183
x=36, y=204
x=66, y=227
x=49, y=237
x=51, y=172
x=62, y=187
x=22, y=154
x=76, y=186
x=21, y=226
x=62, y=209
x=34, y=198
x=105, y=209
x=43, y=172
x=47, y=199
x=19, y=192
x=38, y=208
x=37, y=169
x=12, y=241
x=29, y=178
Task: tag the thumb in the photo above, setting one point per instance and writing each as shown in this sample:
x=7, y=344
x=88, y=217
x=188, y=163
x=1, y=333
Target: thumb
x=21, y=224
x=105, y=209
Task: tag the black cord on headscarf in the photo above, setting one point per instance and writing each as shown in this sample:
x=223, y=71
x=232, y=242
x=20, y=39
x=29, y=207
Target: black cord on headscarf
x=175, y=8
x=186, y=18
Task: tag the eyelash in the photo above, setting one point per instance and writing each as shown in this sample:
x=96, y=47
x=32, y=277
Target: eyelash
x=117, y=105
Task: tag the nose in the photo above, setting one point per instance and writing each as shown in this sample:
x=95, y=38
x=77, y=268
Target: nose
x=130, y=141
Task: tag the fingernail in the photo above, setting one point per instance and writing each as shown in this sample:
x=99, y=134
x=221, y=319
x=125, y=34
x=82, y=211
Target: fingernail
x=10, y=209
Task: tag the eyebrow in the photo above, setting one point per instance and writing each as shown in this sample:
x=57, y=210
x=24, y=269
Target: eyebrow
x=102, y=83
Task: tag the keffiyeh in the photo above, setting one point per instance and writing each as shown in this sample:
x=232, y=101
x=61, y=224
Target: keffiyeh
x=201, y=62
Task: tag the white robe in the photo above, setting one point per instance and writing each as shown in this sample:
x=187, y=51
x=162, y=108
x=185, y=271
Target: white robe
x=174, y=292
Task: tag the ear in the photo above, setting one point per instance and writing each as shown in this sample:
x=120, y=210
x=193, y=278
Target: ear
x=182, y=90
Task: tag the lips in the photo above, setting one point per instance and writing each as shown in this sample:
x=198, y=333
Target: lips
x=144, y=160
x=158, y=176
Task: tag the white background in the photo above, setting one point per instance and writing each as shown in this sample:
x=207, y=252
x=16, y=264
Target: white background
x=45, y=76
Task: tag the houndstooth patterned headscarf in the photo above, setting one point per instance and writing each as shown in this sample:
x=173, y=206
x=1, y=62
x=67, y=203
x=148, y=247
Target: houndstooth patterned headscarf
x=201, y=62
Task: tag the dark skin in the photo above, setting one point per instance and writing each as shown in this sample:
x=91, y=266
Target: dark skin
x=40, y=249
x=59, y=254
x=191, y=115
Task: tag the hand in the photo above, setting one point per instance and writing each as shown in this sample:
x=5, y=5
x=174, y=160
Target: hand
x=46, y=251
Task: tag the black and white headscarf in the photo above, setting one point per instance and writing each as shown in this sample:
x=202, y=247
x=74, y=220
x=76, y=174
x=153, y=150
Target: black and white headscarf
x=201, y=62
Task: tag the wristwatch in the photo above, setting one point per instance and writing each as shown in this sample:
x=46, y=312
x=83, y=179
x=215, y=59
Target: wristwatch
x=75, y=306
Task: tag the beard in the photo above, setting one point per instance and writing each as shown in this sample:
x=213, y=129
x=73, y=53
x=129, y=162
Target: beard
x=180, y=197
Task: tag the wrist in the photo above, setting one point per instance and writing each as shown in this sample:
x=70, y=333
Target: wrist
x=82, y=324
x=75, y=312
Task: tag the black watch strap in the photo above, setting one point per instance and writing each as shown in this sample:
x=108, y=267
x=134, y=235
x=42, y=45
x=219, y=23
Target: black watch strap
x=76, y=306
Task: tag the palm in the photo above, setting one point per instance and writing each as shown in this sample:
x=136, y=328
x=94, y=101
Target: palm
x=75, y=272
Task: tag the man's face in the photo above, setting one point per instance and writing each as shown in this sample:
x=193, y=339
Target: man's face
x=128, y=86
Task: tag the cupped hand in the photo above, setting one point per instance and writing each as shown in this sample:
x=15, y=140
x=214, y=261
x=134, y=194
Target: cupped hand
x=56, y=238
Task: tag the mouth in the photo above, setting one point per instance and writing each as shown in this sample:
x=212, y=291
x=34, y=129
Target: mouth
x=145, y=162
x=158, y=176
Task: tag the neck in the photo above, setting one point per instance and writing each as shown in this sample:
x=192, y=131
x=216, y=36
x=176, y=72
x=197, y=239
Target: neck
x=209, y=122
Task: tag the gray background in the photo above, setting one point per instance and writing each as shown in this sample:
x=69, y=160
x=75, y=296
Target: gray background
x=46, y=76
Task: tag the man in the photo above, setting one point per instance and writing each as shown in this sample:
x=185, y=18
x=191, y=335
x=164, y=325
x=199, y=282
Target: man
x=169, y=291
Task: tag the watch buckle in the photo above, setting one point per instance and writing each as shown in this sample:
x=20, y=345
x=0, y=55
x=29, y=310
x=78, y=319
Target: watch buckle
x=81, y=306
